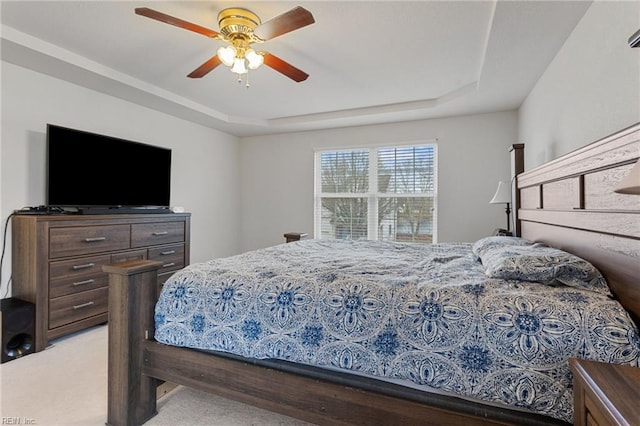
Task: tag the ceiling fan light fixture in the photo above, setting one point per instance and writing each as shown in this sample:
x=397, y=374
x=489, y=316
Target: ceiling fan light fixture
x=227, y=55
x=254, y=59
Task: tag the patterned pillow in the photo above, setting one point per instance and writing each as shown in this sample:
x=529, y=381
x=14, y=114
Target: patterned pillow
x=488, y=243
x=543, y=264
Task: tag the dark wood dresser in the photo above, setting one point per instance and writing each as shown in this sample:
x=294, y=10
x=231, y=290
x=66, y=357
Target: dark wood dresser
x=57, y=262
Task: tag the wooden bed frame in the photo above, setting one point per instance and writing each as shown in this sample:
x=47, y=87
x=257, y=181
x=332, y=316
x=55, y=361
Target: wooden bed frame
x=565, y=203
x=570, y=203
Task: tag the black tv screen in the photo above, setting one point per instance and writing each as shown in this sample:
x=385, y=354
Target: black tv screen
x=90, y=170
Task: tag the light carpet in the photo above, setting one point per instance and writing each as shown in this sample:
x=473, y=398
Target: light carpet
x=66, y=384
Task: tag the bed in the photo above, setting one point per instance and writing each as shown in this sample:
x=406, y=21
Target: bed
x=357, y=332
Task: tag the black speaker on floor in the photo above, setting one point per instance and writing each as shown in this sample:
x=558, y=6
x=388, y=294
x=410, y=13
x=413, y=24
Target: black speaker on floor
x=18, y=328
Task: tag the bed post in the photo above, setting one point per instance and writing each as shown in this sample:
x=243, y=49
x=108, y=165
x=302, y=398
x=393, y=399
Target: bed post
x=132, y=296
x=517, y=166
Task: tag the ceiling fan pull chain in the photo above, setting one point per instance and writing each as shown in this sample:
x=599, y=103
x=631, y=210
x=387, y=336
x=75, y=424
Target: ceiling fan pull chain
x=247, y=85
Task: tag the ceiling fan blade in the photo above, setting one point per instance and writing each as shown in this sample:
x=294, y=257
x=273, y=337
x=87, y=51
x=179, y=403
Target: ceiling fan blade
x=289, y=21
x=284, y=68
x=168, y=19
x=205, y=68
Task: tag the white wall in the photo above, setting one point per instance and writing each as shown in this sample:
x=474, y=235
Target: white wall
x=277, y=174
x=590, y=90
x=205, y=169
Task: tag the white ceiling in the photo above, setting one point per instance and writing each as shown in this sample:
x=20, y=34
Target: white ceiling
x=368, y=61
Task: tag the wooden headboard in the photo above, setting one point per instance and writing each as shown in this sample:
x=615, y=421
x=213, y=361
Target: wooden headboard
x=570, y=203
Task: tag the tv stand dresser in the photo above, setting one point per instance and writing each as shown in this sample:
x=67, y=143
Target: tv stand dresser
x=57, y=262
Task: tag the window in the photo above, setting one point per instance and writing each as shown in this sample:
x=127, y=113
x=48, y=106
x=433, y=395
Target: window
x=377, y=194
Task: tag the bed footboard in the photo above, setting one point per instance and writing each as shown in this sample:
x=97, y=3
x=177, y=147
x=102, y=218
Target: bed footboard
x=132, y=295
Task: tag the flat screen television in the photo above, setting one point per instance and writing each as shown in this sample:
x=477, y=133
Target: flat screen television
x=87, y=170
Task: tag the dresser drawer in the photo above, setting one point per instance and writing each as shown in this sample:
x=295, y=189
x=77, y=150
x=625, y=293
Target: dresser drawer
x=162, y=278
x=151, y=234
x=171, y=257
x=129, y=256
x=75, y=307
x=72, y=276
x=81, y=240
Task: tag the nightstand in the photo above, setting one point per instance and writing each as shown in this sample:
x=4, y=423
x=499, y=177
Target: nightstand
x=605, y=394
x=295, y=236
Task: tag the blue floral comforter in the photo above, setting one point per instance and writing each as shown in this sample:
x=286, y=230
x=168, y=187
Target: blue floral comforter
x=423, y=313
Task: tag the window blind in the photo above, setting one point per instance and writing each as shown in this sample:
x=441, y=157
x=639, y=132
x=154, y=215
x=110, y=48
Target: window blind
x=378, y=193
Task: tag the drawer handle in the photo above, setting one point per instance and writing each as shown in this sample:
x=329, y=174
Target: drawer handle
x=166, y=253
x=156, y=234
x=83, y=282
x=85, y=266
x=166, y=265
x=95, y=239
x=84, y=305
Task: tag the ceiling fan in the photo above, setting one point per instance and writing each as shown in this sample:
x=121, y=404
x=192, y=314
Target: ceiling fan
x=241, y=28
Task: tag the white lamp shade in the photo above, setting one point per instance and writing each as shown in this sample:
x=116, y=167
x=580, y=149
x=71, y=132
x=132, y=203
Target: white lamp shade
x=239, y=66
x=502, y=195
x=226, y=55
x=631, y=183
x=254, y=59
